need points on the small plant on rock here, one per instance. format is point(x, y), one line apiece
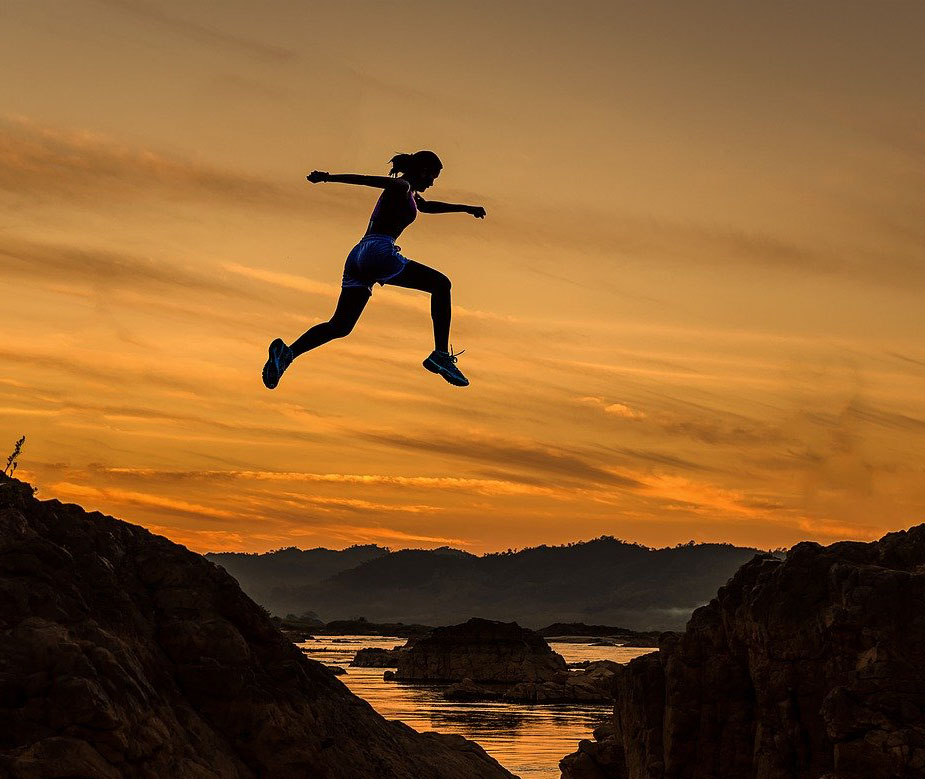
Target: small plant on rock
point(11, 460)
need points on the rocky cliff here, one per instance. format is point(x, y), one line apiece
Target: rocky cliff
point(125, 655)
point(804, 668)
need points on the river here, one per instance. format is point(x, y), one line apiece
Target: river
point(527, 739)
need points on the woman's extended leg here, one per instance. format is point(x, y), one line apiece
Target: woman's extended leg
point(350, 305)
point(417, 276)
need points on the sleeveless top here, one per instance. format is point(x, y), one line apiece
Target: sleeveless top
point(392, 214)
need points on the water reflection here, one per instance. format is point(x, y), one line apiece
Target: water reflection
point(478, 720)
point(527, 739)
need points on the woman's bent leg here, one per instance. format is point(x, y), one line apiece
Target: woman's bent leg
point(417, 276)
point(350, 305)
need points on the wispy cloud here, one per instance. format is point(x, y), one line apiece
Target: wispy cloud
point(907, 359)
point(289, 281)
point(724, 429)
point(478, 486)
point(621, 410)
point(89, 369)
point(102, 269)
point(639, 456)
point(508, 454)
point(169, 422)
point(50, 164)
point(88, 494)
point(701, 497)
point(358, 505)
point(627, 241)
point(206, 35)
point(367, 534)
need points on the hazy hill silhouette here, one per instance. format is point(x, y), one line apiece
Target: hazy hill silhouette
point(602, 581)
point(284, 569)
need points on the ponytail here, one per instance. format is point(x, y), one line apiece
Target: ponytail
point(401, 163)
point(406, 163)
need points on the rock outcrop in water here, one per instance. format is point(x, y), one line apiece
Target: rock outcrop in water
point(480, 650)
point(374, 657)
point(808, 668)
point(609, 633)
point(125, 655)
point(498, 661)
point(594, 684)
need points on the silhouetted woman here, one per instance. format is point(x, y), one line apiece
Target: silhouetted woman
point(376, 260)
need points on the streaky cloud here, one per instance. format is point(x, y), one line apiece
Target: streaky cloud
point(206, 35)
point(101, 268)
point(49, 164)
point(554, 461)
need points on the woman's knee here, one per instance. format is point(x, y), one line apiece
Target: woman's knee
point(441, 284)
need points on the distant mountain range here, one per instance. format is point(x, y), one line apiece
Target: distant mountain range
point(605, 581)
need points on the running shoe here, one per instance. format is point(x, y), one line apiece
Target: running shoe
point(280, 359)
point(444, 363)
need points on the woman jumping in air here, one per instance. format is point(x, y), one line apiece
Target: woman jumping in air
point(376, 260)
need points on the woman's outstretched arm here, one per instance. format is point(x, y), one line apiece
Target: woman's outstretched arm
point(436, 207)
point(382, 182)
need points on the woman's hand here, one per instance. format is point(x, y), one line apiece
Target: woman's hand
point(317, 176)
point(477, 211)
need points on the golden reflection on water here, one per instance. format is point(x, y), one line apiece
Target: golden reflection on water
point(527, 739)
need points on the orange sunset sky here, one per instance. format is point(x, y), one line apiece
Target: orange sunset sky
point(694, 310)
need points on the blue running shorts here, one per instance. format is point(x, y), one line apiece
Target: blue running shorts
point(374, 260)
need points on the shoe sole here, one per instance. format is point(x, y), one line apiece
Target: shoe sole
point(435, 367)
point(270, 367)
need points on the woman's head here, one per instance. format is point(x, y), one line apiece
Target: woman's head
point(420, 168)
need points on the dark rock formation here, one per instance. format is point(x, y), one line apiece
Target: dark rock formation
point(295, 636)
point(467, 690)
point(480, 650)
point(602, 758)
point(360, 627)
point(125, 655)
point(372, 657)
point(806, 668)
point(608, 633)
point(593, 685)
point(499, 661)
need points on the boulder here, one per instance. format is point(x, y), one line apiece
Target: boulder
point(594, 684)
point(483, 651)
point(126, 656)
point(373, 657)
